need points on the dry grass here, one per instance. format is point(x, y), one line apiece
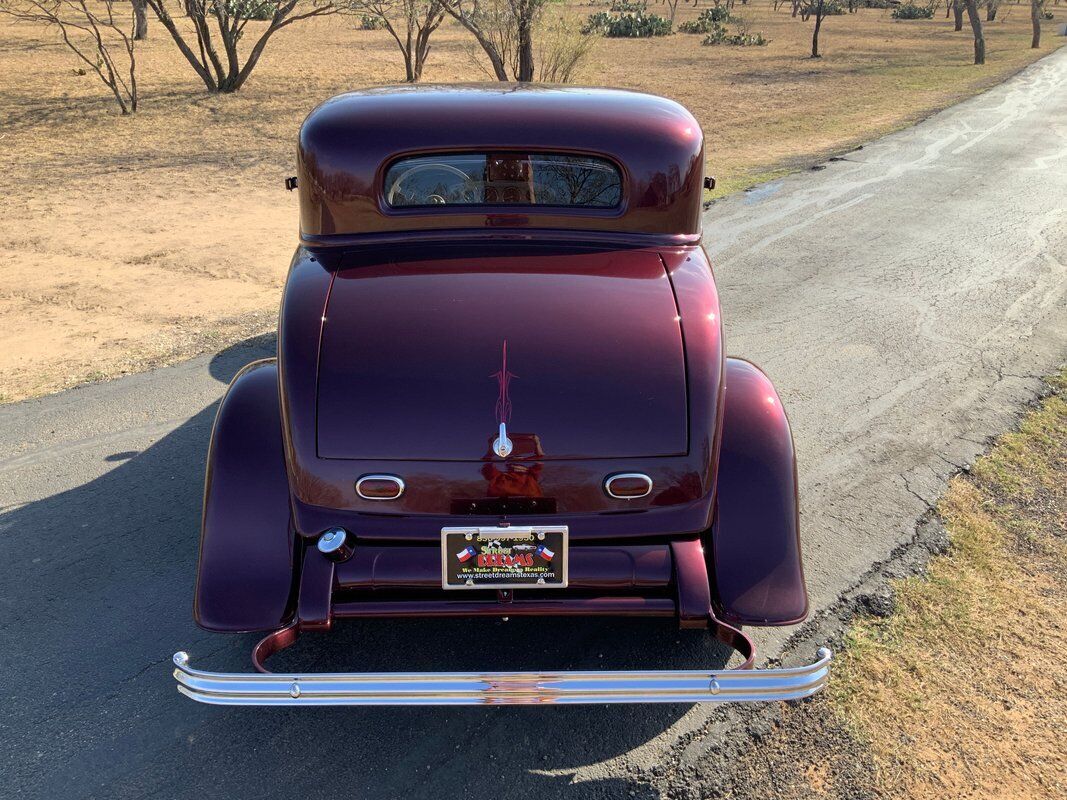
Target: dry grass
point(962, 691)
point(128, 242)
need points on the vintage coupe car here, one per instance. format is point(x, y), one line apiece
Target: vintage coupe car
point(500, 390)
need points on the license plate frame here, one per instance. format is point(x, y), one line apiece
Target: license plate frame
point(514, 540)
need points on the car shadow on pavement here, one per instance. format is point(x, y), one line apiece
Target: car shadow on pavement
point(90, 626)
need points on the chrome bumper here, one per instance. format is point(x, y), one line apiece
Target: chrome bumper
point(500, 688)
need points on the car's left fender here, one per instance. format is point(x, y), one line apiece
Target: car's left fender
point(245, 576)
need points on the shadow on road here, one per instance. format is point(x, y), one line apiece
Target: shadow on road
point(98, 596)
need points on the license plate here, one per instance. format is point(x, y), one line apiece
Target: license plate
point(515, 557)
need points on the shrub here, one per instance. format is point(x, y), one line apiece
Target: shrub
point(627, 25)
point(876, 3)
point(250, 9)
point(830, 8)
point(910, 10)
point(740, 39)
point(1047, 14)
point(623, 6)
point(561, 48)
point(597, 23)
point(707, 20)
point(370, 22)
point(716, 34)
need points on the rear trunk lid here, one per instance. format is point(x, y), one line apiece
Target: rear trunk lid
point(580, 355)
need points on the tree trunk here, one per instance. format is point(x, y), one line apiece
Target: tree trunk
point(976, 26)
point(484, 41)
point(422, 41)
point(815, 35)
point(991, 12)
point(524, 40)
point(235, 82)
point(1035, 22)
point(957, 9)
point(164, 17)
point(140, 21)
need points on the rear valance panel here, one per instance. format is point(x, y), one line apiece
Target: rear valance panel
point(412, 364)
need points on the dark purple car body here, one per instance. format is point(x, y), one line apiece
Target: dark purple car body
point(555, 289)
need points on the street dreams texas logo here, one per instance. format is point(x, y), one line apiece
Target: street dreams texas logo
point(495, 554)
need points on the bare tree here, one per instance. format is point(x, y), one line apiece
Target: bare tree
point(957, 12)
point(673, 6)
point(504, 31)
point(991, 9)
point(1037, 8)
point(230, 18)
point(409, 22)
point(976, 27)
point(94, 35)
point(818, 9)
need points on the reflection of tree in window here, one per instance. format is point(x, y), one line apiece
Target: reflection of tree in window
point(575, 181)
point(556, 180)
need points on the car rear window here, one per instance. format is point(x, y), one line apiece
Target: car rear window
point(486, 179)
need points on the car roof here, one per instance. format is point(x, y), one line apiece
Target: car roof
point(346, 143)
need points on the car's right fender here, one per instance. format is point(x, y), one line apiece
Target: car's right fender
point(757, 578)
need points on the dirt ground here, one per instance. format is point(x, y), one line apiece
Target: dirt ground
point(131, 242)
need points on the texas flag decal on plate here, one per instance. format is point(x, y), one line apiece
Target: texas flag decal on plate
point(504, 557)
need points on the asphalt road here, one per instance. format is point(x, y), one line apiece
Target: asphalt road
point(903, 298)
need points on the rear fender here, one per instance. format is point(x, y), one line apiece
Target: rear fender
point(755, 543)
point(245, 575)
